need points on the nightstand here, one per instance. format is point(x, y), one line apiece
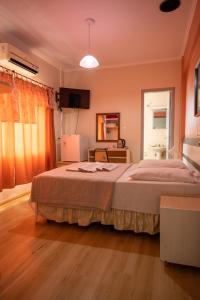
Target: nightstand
point(180, 230)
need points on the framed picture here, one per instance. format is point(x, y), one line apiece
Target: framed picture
point(197, 91)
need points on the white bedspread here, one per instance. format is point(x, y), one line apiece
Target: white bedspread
point(61, 188)
point(144, 196)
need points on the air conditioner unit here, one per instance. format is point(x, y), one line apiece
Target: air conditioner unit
point(16, 60)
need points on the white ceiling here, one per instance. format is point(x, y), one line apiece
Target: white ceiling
point(126, 32)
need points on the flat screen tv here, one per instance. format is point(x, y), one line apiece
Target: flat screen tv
point(74, 98)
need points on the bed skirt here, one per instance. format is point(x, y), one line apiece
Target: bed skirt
point(120, 219)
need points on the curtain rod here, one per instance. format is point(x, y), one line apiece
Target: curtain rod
point(23, 76)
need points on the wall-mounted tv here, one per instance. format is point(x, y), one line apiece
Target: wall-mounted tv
point(74, 98)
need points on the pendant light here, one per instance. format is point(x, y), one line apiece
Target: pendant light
point(89, 61)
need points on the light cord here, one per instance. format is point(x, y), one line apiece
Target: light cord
point(89, 39)
point(77, 121)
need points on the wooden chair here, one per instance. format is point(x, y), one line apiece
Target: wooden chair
point(101, 155)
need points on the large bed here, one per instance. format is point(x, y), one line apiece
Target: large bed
point(111, 198)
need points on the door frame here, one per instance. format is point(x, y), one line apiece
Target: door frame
point(171, 114)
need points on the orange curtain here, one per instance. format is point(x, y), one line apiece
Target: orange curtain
point(27, 140)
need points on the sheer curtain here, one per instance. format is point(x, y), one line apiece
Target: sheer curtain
point(27, 140)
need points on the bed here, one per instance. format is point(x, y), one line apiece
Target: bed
point(110, 198)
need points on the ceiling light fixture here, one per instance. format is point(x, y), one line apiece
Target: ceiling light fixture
point(89, 61)
point(169, 5)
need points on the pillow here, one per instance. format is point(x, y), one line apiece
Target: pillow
point(195, 173)
point(163, 174)
point(168, 163)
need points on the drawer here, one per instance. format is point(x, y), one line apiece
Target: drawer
point(117, 153)
point(117, 159)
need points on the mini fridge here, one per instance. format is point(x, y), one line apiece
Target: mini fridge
point(74, 147)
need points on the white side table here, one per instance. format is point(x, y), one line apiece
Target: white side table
point(180, 230)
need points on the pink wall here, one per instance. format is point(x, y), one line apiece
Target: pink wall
point(191, 56)
point(119, 90)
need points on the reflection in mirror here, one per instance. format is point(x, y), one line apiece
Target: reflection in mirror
point(159, 118)
point(107, 127)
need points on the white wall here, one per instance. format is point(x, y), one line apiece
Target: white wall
point(119, 90)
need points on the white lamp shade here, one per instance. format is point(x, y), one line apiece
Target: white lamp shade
point(89, 62)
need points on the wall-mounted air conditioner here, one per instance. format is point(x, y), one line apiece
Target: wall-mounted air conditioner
point(16, 60)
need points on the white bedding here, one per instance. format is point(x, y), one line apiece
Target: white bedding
point(128, 195)
point(144, 196)
point(163, 163)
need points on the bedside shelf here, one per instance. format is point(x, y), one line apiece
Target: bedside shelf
point(179, 230)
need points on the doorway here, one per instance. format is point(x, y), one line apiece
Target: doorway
point(157, 123)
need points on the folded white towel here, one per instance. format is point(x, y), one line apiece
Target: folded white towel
point(106, 167)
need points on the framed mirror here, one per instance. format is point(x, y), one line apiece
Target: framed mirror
point(159, 118)
point(107, 127)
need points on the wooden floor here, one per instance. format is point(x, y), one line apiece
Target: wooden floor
point(62, 261)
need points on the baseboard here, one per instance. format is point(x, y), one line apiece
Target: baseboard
point(3, 202)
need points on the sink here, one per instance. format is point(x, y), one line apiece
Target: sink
point(159, 150)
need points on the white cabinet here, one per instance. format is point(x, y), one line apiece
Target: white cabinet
point(180, 230)
point(74, 147)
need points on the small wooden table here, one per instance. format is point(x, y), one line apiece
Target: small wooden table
point(115, 155)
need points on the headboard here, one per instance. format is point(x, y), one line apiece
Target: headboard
point(191, 152)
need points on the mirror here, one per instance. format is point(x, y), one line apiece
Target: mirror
point(107, 127)
point(159, 118)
